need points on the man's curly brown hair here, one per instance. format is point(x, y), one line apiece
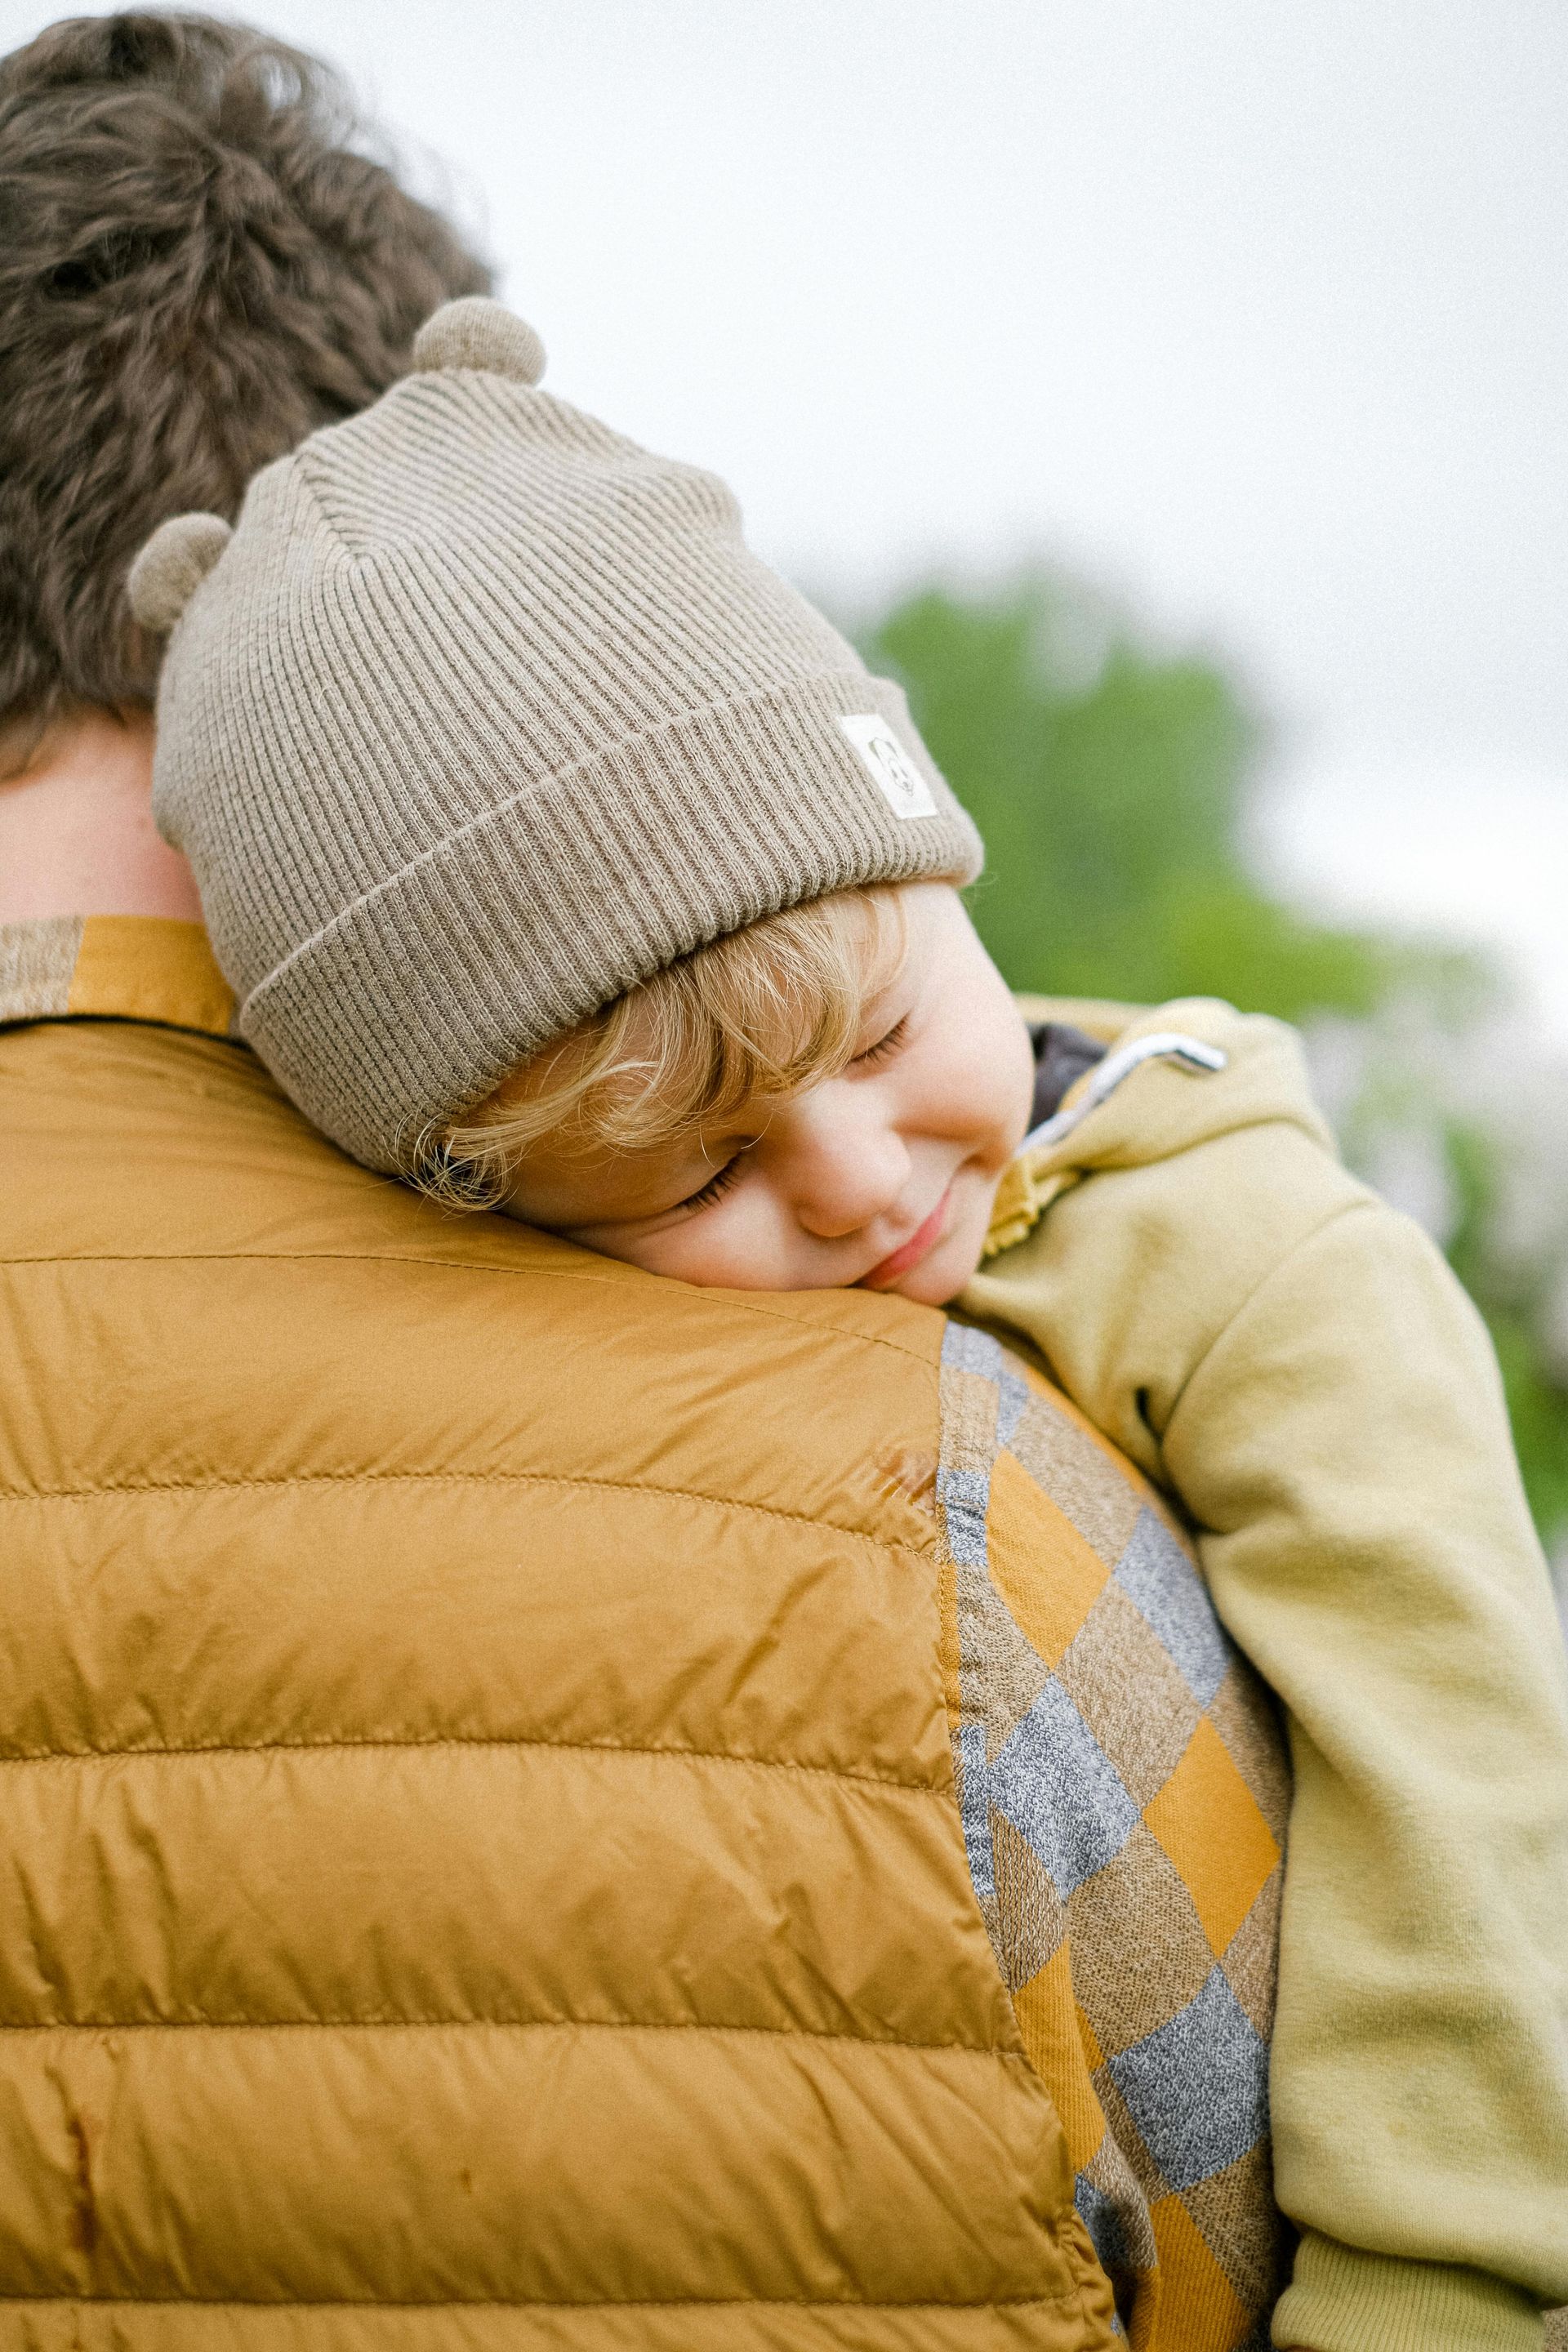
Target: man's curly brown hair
point(197, 267)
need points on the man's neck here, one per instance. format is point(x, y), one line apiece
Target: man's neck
point(77, 835)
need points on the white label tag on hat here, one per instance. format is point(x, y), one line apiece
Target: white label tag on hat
point(892, 770)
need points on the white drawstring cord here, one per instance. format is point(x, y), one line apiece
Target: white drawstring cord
point(1162, 1045)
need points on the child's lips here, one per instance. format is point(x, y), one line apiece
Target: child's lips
point(921, 1243)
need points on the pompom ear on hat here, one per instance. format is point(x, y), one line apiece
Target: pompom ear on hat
point(171, 567)
point(474, 332)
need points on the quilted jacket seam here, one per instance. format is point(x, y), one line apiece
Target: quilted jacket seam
point(543, 2303)
point(199, 2023)
point(84, 1756)
point(461, 1478)
point(734, 1302)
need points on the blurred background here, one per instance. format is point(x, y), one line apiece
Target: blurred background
point(1174, 394)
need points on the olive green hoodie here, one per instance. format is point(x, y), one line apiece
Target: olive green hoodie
point(1294, 1361)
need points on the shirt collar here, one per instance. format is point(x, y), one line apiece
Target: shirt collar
point(113, 968)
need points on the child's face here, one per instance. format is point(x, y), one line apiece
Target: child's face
point(882, 1176)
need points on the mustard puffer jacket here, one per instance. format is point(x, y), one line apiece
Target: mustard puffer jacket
point(481, 1865)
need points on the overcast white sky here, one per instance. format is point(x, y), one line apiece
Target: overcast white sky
point(1255, 313)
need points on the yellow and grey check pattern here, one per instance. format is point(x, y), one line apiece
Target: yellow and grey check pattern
point(1124, 1796)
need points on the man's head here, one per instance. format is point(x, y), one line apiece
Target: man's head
point(197, 267)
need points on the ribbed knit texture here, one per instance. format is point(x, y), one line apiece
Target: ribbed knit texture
point(1345, 2301)
point(485, 715)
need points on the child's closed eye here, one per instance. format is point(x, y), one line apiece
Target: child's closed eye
point(885, 1047)
point(716, 1187)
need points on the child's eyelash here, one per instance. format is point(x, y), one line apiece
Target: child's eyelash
point(884, 1046)
point(720, 1181)
point(716, 1186)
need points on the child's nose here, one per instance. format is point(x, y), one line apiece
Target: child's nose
point(849, 1173)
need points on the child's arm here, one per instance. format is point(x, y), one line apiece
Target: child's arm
point(1296, 1362)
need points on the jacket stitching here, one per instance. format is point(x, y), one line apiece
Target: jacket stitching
point(538, 2302)
point(83, 1756)
point(199, 2022)
point(736, 1302)
point(460, 1478)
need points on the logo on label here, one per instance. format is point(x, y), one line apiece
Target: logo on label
point(890, 768)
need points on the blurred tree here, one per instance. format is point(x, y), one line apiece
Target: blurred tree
point(1111, 786)
point(1114, 787)
point(1508, 1294)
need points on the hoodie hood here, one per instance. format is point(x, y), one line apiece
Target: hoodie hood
point(1243, 1069)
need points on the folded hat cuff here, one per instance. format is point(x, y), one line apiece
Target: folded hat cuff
point(418, 998)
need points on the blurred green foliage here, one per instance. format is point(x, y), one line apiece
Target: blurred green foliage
point(1114, 786)
point(1112, 794)
point(1537, 1399)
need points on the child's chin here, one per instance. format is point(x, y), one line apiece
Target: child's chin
point(939, 1281)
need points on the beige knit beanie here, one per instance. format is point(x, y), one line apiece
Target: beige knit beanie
point(481, 716)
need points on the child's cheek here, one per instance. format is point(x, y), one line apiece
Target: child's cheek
point(735, 1247)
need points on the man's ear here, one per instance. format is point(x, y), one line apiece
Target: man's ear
point(171, 567)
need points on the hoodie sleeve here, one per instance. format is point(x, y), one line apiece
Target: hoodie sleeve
point(1294, 1361)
